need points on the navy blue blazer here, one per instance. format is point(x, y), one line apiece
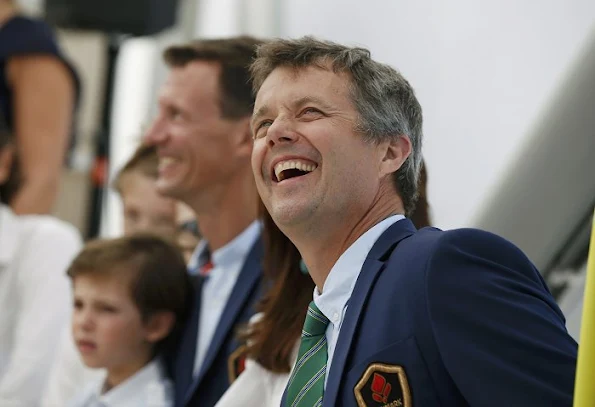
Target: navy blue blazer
point(450, 318)
point(225, 352)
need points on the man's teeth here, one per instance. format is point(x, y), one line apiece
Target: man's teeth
point(293, 165)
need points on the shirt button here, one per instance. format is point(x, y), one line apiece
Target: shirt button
point(336, 317)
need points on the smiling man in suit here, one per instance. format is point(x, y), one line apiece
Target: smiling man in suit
point(400, 317)
point(203, 140)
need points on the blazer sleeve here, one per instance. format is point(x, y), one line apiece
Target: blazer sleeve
point(498, 330)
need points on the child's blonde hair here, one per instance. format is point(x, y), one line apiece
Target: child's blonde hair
point(144, 160)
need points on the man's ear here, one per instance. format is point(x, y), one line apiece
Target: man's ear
point(243, 139)
point(159, 325)
point(6, 157)
point(394, 153)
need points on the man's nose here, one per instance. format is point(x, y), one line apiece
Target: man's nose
point(281, 131)
point(155, 133)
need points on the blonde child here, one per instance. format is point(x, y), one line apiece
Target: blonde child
point(144, 209)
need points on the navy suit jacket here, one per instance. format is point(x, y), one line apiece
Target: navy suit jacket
point(450, 318)
point(214, 377)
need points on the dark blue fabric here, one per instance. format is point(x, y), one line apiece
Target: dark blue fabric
point(24, 36)
point(213, 379)
point(464, 313)
point(21, 36)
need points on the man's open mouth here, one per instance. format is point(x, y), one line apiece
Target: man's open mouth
point(291, 169)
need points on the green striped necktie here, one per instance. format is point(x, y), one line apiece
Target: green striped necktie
point(306, 384)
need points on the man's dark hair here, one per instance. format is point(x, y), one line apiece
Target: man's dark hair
point(234, 55)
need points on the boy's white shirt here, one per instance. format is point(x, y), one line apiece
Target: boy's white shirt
point(149, 387)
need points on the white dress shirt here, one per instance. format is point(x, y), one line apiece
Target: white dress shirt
point(341, 280)
point(35, 298)
point(216, 289)
point(149, 387)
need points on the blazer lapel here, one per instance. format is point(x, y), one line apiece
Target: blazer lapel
point(185, 354)
point(373, 265)
point(247, 280)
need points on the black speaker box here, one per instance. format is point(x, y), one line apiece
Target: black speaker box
point(135, 17)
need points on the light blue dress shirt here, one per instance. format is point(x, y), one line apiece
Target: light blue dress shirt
point(341, 280)
point(216, 289)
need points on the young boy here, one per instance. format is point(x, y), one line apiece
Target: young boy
point(131, 296)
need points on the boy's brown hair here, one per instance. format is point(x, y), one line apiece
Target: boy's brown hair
point(159, 280)
point(144, 160)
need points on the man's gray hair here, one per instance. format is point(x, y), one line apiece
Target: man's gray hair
point(385, 101)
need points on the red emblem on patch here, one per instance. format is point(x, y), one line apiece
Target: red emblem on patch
point(380, 388)
point(383, 385)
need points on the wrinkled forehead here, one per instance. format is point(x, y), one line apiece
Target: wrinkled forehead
point(288, 83)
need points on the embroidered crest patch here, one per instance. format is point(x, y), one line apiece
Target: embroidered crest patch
point(236, 363)
point(383, 385)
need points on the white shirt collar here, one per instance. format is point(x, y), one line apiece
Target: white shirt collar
point(150, 379)
point(341, 280)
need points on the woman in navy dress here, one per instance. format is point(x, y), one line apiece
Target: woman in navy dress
point(38, 95)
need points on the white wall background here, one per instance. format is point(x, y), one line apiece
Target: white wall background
point(131, 98)
point(482, 69)
point(572, 303)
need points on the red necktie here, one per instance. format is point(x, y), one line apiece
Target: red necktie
point(205, 263)
point(206, 268)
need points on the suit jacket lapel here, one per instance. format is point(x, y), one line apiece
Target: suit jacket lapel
point(247, 280)
point(185, 354)
point(373, 265)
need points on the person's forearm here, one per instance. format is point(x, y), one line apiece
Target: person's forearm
point(36, 197)
point(43, 103)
